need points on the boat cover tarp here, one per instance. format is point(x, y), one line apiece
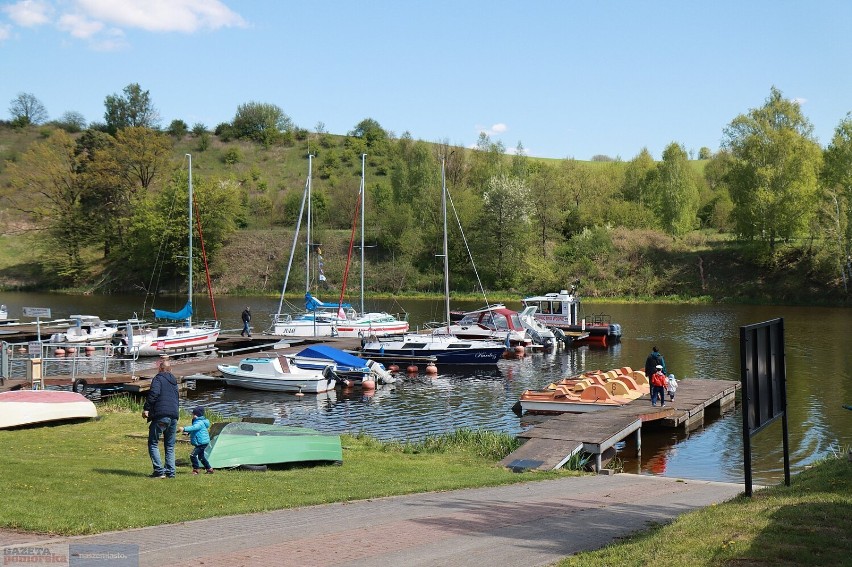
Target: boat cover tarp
point(334, 355)
point(312, 303)
point(181, 315)
point(244, 443)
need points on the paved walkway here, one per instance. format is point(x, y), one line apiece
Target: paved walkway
point(534, 523)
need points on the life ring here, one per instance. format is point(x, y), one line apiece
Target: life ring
point(79, 386)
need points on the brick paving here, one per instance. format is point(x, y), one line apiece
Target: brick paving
point(534, 523)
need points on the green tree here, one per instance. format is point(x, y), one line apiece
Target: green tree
point(836, 212)
point(705, 153)
point(372, 132)
point(26, 109)
point(503, 227)
point(547, 205)
point(773, 173)
point(132, 109)
point(178, 129)
point(261, 122)
point(71, 121)
point(45, 186)
point(677, 192)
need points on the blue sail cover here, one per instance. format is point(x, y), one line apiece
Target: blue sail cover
point(340, 358)
point(181, 315)
point(312, 303)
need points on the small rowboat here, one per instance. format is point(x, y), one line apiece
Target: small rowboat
point(24, 407)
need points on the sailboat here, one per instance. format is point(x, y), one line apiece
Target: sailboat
point(445, 347)
point(177, 338)
point(325, 319)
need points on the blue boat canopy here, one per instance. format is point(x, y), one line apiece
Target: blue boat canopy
point(312, 303)
point(181, 315)
point(335, 355)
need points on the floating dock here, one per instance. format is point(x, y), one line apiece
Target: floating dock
point(555, 439)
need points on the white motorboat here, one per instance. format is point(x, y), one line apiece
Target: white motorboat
point(494, 323)
point(84, 330)
point(24, 407)
point(562, 311)
point(278, 374)
point(537, 331)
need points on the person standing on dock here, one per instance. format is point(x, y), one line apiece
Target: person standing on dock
point(246, 321)
point(652, 361)
point(658, 386)
point(162, 409)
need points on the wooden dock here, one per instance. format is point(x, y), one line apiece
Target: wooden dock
point(551, 443)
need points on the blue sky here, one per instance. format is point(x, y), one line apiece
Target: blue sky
point(564, 78)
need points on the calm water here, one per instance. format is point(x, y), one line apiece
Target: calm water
point(697, 341)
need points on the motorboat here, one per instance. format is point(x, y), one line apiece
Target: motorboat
point(537, 331)
point(493, 322)
point(244, 443)
point(443, 349)
point(562, 311)
point(278, 374)
point(84, 330)
point(25, 407)
point(586, 392)
point(347, 367)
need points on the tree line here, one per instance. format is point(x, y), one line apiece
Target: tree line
point(525, 221)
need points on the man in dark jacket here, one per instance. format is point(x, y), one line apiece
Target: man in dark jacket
point(652, 361)
point(161, 409)
point(246, 320)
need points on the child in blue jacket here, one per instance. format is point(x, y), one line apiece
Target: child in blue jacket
point(200, 438)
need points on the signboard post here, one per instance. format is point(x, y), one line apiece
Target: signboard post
point(38, 313)
point(764, 387)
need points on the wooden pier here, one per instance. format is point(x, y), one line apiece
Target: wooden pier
point(551, 443)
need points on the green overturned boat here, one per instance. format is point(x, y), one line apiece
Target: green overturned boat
point(245, 443)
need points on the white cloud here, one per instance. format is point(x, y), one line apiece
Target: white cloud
point(494, 130)
point(5, 31)
point(79, 26)
point(29, 13)
point(799, 100)
point(186, 16)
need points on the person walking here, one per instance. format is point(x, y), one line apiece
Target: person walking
point(200, 438)
point(671, 386)
point(246, 320)
point(658, 386)
point(652, 361)
point(161, 409)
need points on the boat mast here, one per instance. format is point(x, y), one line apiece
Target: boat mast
point(363, 190)
point(295, 238)
point(308, 240)
point(446, 253)
point(189, 293)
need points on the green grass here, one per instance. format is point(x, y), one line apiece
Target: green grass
point(807, 523)
point(91, 477)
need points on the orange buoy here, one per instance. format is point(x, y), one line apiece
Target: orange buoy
point(519, 350)
point(59, 352)
point(368, 384)
point(431, 369)
point(412, 369)
point(393, 368)
point(90, 349)
point(71, 350)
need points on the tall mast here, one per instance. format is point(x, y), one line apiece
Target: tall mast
point(189, 293)
point(308, 240)
point(446, 252)
point(363, 190)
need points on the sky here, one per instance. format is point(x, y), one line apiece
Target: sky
point(563, 78)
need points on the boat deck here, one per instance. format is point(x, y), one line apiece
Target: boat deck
point(555, 439)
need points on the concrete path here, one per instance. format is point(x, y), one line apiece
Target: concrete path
point(535, 523)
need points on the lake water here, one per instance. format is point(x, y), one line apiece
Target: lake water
point(698, 341)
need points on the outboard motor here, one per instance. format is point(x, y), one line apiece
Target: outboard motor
point(380, 372)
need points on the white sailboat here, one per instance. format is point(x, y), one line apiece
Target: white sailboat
point(325, 319)
point(445, 347)
point(177, 338)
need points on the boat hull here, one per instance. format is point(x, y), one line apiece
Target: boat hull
point(24, 407)
point(241, 443)
point(190, 341)
point(445, 350)
point(267, 375)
